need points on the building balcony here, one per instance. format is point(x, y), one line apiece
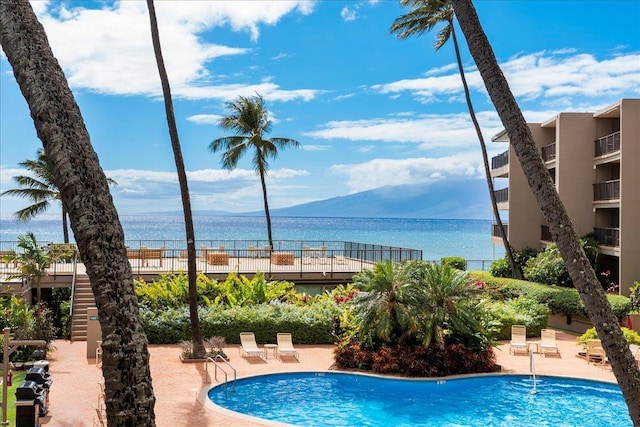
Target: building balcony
point(604, 191)
point(500, 160)
point(502, 196)
point(607, 236)
point(545, 234)
point(495, 230)
point(549, 152)
point(607, 144)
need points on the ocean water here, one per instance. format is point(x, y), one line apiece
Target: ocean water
point(437, 238)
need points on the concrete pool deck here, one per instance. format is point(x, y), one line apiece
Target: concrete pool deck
point(74, 393)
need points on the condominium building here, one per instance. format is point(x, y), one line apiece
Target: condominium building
point(594, 161)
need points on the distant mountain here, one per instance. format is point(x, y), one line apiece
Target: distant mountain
point(461, 199)
point(468, 199)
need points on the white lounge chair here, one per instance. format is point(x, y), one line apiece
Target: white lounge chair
point(285, 346)
point(518, 338)
point(248, 346)
point(595, 353)
point(548, 342)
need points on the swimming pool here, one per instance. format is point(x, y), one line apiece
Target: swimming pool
point(342, 399)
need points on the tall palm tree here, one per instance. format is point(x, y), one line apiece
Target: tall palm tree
point(84, 191)
point(196, 336)
point(584, 278)
point(421, 19)
point(249, 119)
point(40, 189)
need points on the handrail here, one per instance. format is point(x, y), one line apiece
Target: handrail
point(73, 282)
point(217, 365)
point(532, 369)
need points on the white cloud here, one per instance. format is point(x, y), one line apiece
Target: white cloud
point(382, 172)
point(109, 50)
point(349, 14)
point(534, 76)
point(428, 131)
point(205, 119)
point(311, 147)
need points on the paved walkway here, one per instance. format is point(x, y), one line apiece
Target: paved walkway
point(75, 389)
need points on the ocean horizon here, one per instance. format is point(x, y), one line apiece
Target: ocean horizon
point(437, 238)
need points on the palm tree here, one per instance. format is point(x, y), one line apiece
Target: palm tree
point(383, 311)
point(33, 261)
point(84, 191)
point(40, 189)
point(196, 336)
point(584, 278)
point(445, 302)
point(425, 15)
point(250, 120)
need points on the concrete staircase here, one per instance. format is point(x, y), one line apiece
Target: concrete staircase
point(82, 299)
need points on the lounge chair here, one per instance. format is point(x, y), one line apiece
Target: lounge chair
point(248, 346)
point(253, 253)
point(548, 342)
point(285, 346)
point(595, 353)
point(518, 338)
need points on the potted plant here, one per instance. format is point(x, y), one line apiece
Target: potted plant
point(214, 347)
point(634, 314)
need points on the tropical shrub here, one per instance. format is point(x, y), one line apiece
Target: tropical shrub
point(415, 360)
point(26, 323)
point(634, 297)
point(632, 336)
point(456, 262)
point(309, 324)
point(501, 267)
point(559, 300)
point(172, 290)
point(548, 268)
point(519, 311)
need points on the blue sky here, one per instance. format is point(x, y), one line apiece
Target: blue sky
point(369, 109)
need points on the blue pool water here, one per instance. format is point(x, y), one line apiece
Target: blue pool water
point(338, 399)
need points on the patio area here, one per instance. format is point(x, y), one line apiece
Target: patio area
point(75, 390)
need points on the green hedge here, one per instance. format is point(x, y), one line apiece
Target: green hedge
point(519, 311)
point(309, 324)
point(558, 299)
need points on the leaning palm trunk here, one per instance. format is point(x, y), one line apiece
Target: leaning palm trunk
point(196, 336)
point(65, 229)
point(515, 269)
point(85, 196)
point(596, 304)
point(266, 207)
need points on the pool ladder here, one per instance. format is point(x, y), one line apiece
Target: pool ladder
point(219, 366)
point(532, 369)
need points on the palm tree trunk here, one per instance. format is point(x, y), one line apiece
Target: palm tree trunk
point(65, 229)
point(515, 269)
point(266, 207)
point(584, 278)
point(196, 336)
point(85, 195)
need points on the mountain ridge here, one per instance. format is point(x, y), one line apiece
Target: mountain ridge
point(451, 199)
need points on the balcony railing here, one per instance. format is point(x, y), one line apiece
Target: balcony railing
point(495, 230)
point(549, 152)
point(500, 160)
point(609, 190)
point(607, 144)
point(502, 196)
point(607, 236)
point(545, 234)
